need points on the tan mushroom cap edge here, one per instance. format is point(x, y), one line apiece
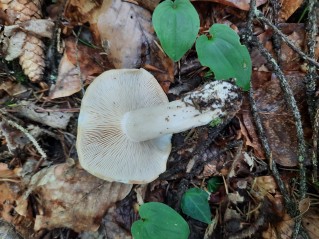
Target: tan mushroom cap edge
point(103, 148)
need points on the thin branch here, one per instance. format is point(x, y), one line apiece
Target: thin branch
point(262, 18)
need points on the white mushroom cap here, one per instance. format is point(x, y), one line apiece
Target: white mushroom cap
point(103, 149)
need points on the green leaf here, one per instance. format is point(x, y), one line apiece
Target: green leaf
point(214, 183)
point(224, 55)
point(195, 204)
point(159, 221)
point(176, 25)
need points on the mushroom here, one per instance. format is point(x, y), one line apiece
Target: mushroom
point(126, 123)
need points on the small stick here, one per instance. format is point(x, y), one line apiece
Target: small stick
point(262, 18)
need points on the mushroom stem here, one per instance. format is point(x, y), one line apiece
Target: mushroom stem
point(215, 100)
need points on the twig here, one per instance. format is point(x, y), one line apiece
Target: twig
point(30, 137)
point(311, 30)
point(311, 27)
point(289, 98)
point(315, 146)
point(264, 141)
point(262, 18)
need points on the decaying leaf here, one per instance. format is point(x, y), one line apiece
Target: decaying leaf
point(125, 32)
point(288, 7)
point(241, 4)
point(263, 186)
point(71, 197)
point(23, 38)
point(276, 118)
point(79, 61)
point(281, 230)
point(310, 221)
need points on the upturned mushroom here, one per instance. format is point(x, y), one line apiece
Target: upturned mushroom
point(126, 123)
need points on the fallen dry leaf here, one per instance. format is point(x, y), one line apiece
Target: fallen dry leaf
point(12, 88)
point(79, 63)
point(125, 32)
point(288, 7)
point(6, 173)
point(241, 4)
point(310, 221)
point(148, 4)
point(71, 197)
point(263, 186)
point(276, 118)
point(281, 230)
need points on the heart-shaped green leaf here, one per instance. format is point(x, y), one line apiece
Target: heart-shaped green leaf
point(195, 204)
point(176, 25)
point(224, 55)
point(159, 221)
point(214, 183)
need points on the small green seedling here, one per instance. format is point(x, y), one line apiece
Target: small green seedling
point(195, 201)
point(214, 183)
point(195, 204)
point(159, 221)
point(176, 24)
point(215, 122)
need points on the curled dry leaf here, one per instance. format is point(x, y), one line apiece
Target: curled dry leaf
point(126, 34)
point(241, 4)
point(79, 61)
point(71, 197)
point(26, 43)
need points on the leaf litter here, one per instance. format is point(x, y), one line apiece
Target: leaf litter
point(50, 196)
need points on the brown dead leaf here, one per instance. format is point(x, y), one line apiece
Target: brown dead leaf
point(90, 61)
point(241, 4)
point(6, 173)
point(277, 119)
point(126, 34)
point(12, 88)
point(9, 193)
point(7, 202)
point(310, 221)
point(71, 197)
point(263, 186)
point(288, 7)
point(304, 205)
point(282, 230)
point(148, 4)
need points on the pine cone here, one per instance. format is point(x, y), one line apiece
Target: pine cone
point(32, 57)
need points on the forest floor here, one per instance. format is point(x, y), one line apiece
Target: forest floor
point(259, 167)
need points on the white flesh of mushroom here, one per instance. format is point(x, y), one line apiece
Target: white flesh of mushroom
point(195, 109)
